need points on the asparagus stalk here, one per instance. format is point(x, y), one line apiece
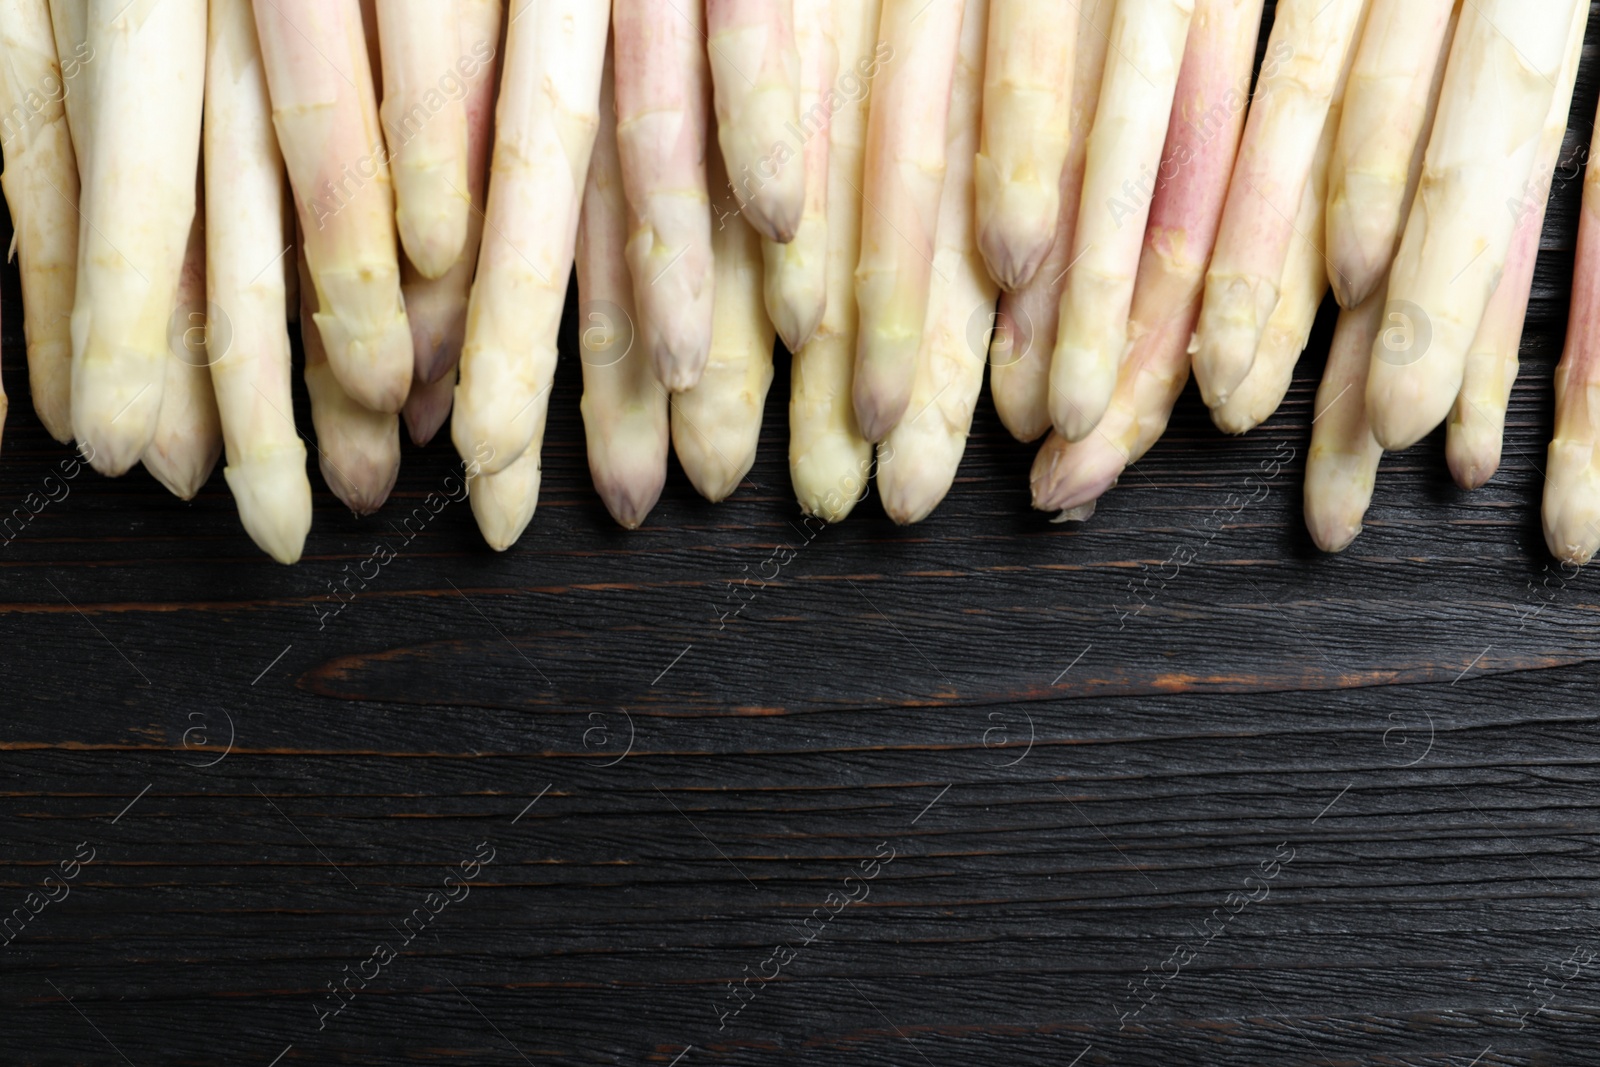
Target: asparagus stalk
point(545, 126)
point(902, 182)
point(1202, 139)
point(437, 307)
point(662, 89)
point(1572, 472)
point(1501, 79)
point(1306, 54)
point(1399, 62)
point(1027, 132)
point(326, 113)
point(755, 78)
point(717, 424)
point(69, 22)
point(796, 273)
point(829, 460)
point(917, 462)
point(1025, 335)
point(1147, 42)
point(358, 449)
point(245, 282)
point(624, 407)
point(188, 437)
point(1477, 422)
point(139, 203)
point(424, 115)
point(1300, 292)
point(41, 188)
point(1342, 466)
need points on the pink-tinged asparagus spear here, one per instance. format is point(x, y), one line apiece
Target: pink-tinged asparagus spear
point(663, 90)
point(624, 407)
point(1025, 335)
point(1342, 466)
point(246, 253)
point(545, 126)
point(1502, 75)
point(902, 183)
point(188, 437)
point(325, 109)
point(358, 449)
point(1130, 127)
point(138, 200)
point(437, 307)
point(1306, 55)
point(830, 463)
point(41, 188)
point(796, 273)
point(1300, 292)
point(917, 462)
point(717, 424)
point(1478, 420)
point(424, 116)
point(1208, 112)
point(755, 75)
point(1398, 65)
point(1027, 132)
point(1572, 473)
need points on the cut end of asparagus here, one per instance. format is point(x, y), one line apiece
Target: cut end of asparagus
point(273, 495)
point(1572, 502)
point(504, 503)
point(428, 407)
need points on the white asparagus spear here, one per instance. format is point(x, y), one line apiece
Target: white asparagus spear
point(1025, 335)
point(1571, 509)
point(503, 503)
point(663, 90)
point(1398, 65)
point(917, 462)
point(796, 273)
point(545, 125)
point(69, 21)
point(1477, 424)
point(358, 449)
point(717, 424)
point(1501, 78)
point(437, 307)
point(424, 118)
point(901, 185)
point(1300, 292)
point(1342, 465)
point(1119, 178)
point(624, 407)
point(245, 250)
point(41, 188)
point(1026, 132)
point(188, 438)
point(1306, 54)
point(829, 461)
point(1202, 139)
point(325, 110)
point(149, 82)
point(755, 80)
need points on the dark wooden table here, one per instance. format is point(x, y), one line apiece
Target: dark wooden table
point(985, 791)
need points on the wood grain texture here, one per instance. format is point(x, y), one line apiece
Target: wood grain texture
point(1081, 795)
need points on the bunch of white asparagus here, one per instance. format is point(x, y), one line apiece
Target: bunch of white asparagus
point(1090, 196)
